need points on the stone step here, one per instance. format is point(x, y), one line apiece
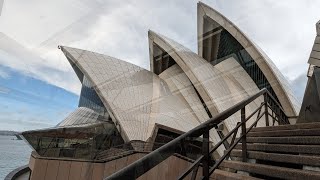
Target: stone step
point(284, 148)
point(275, 157)
point(271, 171)
point(287, 127)
point(285, 140)
point(225, 175)
point(279, 133)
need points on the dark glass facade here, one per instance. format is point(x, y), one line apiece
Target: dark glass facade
point(190, 148)
point(219, 45)
point(162, 60)
point(89, 98)
point(74, 142)
point(83, 134)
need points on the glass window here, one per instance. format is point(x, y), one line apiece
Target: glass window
point(219, 45)
point(74, 142)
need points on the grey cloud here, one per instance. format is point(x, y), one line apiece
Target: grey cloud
point(126, 35)
point(4, 74)
point(78, 29)
point(113, 28)
point(23, 119)
point(18, 57)
point(23, 125)
point(1, 5)
point(4, 90)
point(16, 120)
point(299, 85)
point(285, 30)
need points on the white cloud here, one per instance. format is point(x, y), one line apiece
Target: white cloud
point(4, 74)
point(22, 123)
point(298, 86)
point(285, 30)
point(4, 90)
point(51, 70)
point(1, 4)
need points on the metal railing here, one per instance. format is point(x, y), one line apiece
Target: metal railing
point(135, 145)
point(149, 161)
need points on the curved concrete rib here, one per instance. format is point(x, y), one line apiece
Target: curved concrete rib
point(135, 98)
point(219, 86)
point(278, 83)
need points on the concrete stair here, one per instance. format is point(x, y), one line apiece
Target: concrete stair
point(278, 152)
point(220, 175)
point(271, 172)
point(288, 127)
point(275, 157)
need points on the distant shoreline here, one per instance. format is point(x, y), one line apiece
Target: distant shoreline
point(8, 133)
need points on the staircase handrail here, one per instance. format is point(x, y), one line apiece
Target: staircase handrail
point(139, 167)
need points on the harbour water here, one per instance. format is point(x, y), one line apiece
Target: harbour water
point(13, 153)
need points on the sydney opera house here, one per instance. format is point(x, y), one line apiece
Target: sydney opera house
point(126, 112)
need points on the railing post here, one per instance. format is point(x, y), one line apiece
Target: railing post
point(205, 152)
point(244, 133)
point(266, 109)
point(183, 148)
point(279, 116)
point(194, 173)
point(273, 118)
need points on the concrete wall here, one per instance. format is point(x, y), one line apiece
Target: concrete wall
point(310, 109)
point(50, 169)
point(47, 169)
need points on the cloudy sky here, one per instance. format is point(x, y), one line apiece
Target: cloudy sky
point(30, 31)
